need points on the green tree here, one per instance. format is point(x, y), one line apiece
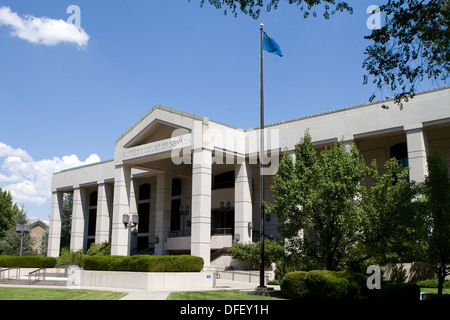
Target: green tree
point(8, 210)
point(10, 244)
point(437, 192)
point(393, 219)
point(412, 45)
point(319, 194)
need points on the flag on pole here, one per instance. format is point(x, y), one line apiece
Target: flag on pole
point(270, 45)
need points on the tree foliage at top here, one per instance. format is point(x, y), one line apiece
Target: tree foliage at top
point(252, 8)
point(412, 45)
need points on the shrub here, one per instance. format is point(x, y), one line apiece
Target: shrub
point(144, 263)
point(323, 285)
point(103, 249)
point(398, 291)
point(293, 285)
point(68, 256)
point(27, 262)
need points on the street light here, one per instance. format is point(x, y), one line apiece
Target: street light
point(131, 226)
point(22, 228)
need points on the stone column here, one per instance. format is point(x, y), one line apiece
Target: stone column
point(119, 239)
point(54, 234)
point(417, 152)
point(243, 205)
point(201, 205)
point(78, 219)
point(103, 214)
point(163, 204)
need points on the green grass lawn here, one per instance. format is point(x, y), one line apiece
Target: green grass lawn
point(57, 294)
point(215, 295)
point(434, 290)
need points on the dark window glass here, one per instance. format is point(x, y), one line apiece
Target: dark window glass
point(175, 215)
point(224, 180)
point(176, 187)
point(400, 152)
point(92, 222)
point(144, 191)
point(144, 217)
point(142, 243)
point(93, 199)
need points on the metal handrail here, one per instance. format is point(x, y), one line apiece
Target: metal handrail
point(37, 275)
point(9, 273)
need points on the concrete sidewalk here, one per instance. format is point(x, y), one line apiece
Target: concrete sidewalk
point(162, 295)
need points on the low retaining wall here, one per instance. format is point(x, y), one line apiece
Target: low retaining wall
point(145, 280)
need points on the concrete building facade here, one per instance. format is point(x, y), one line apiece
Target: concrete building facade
point(194, 182)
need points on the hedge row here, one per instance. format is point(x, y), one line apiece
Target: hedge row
point(343, 285)
point(27, 262)
point(323, 285)
point(144, 263)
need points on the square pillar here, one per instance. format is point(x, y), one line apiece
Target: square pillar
point(163, 211)
point(119, 239)
point(417, 145)
point(103, 213)
point(243, 205)
point(78, 219)
point(201, 205)
point(54, 233)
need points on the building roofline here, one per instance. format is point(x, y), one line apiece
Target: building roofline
point(346, 108)
point(167, 109)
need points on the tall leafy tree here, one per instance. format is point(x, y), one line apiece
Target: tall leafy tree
point(10, 244)
point(8, 210)
point(393, 219)
point(437, 192)
point(318, 194)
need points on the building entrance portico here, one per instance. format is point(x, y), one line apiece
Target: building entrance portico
point(193, 183)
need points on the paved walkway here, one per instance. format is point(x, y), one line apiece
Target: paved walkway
point(134, 294)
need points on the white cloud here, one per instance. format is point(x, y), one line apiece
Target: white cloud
point(29, 180)
point(42, 30)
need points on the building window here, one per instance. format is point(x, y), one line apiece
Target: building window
point(176, 187)
point(175, 216)
point(223, 180)
point(144, 192)
point(92, 218)
point(399, 151)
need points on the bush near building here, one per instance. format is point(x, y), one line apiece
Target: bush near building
point(144, 263)
point(27, 262)
point(324, 285)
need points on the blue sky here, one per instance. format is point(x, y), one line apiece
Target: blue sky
point(64, 105)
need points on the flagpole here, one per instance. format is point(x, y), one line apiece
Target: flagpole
point(261, 163)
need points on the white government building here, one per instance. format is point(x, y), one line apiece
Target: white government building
point(194, 182)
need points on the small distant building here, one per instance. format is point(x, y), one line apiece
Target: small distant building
point(37, 231)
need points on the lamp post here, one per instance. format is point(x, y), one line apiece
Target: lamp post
point(22, 228)
point(184, 211)
point(131, 226)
